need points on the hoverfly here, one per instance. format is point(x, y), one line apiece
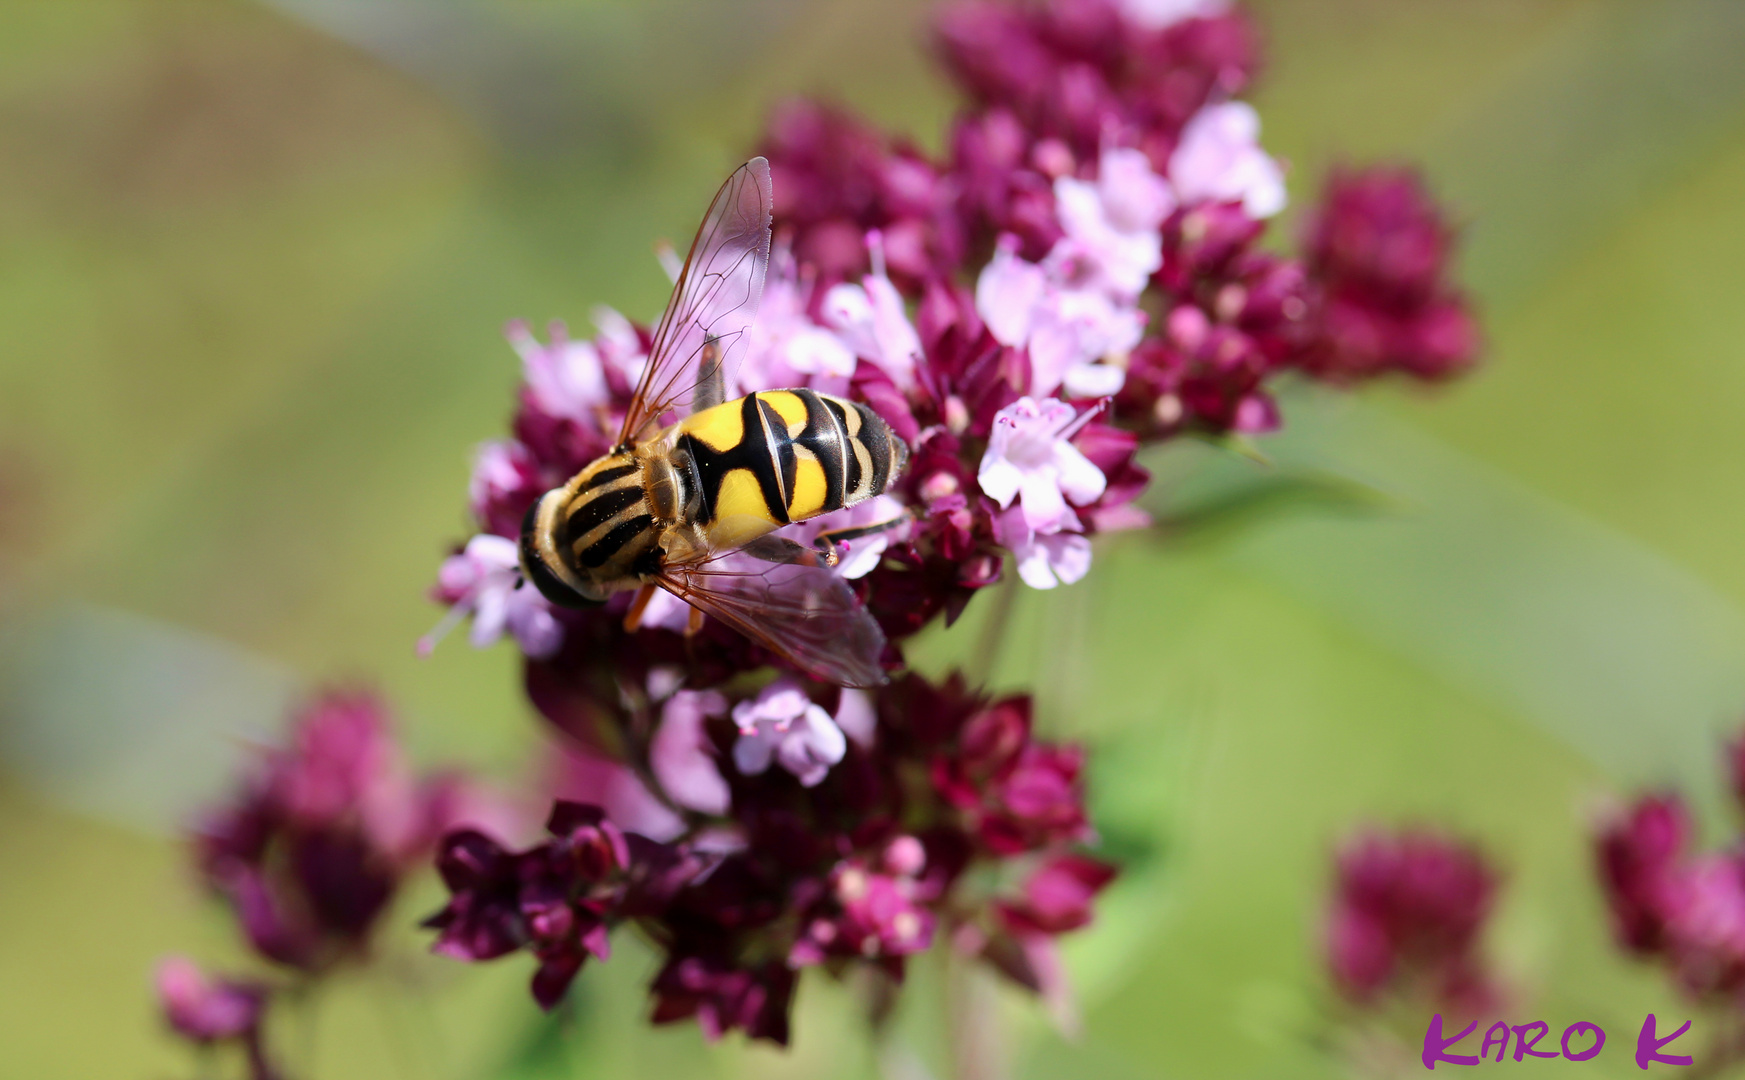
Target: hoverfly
point(687, 504)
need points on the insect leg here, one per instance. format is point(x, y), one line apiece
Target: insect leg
point(638, 604)
point(694, 624)
point(780, 550)
point(828, 542)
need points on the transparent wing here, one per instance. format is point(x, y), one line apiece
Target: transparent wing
point(806, 614)
point(713, 302)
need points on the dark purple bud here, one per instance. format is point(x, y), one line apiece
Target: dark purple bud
point(1639, 852)
point(1058, 895)
point(1407, 910)
point(483, 918)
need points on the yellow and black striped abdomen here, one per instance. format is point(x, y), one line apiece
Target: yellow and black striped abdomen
point(784, 455)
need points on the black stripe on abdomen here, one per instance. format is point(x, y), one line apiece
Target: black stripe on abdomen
point(782, 447)
point(606, 476)
point(876, 437)
point(851, 460)
point(592, 511)
point(752, 453)
point(827, 439)
point(601, 550)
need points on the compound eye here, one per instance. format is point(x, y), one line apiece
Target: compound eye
point(544, 578)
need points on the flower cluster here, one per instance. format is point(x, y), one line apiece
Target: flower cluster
point(1408, 910)
point(1378, 246)
point(1674, 904)
point(1077, 276)
point(844, 832)
point(308, 855)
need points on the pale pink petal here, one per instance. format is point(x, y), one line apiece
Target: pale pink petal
point(1158, 14)
point(1069, 555)
point(999, 479)
point(752, 751)
point(1219, 158)
point(1040, 496)
point(1080, 481)
point(682, 757)
point(1135, 199)
point(1093, 380)
point(856, 716)
point(1007, 293)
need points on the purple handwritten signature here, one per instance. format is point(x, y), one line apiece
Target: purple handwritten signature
point(1581, 1041)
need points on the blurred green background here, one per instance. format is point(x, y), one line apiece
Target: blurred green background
point(254, 262)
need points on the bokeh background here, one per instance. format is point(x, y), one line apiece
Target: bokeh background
point(254, 262)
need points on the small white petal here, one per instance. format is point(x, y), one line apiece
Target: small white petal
point(1041, 496)
point(999, 479)
point(1094, 380)
point(1033, 567)
point(856, 716)
point(1069, 556)
point(1080, 481)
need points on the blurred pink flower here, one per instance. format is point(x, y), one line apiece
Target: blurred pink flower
point(1219, 159)
point(784, 725)
point(207, 1010)
point(683, 758)
point(565, 377)
point(1112, 224)
point(1058, 554)
point(484, 581)
point(1407, 912)
point(871, 319)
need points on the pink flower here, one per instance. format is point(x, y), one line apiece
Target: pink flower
point(484, 581)
point(1074, 329)
point(504, 483)
point(1219, 159)
point(619, 345)
point(1067, 330)
point(859, 556)
point(206, 1010)
point(871, 319)
point(1008, 292)
point(565, 377)
point(1057, 896)
point(1408, 911)
point(1706, 931)
point(870, 910)
point(1059, 555)
point(1030, 458)
point(784, 725)
point(1159, 14)
point(1639, 854)
point(786, 348)
point(579, 775)
point(683, 758)
point(1112, 224)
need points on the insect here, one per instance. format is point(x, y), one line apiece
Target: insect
point(688, 504)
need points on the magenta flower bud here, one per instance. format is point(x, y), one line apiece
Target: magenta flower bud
point(1057, 897)
point(905, 856)
point(1639, 853)
point(1380, 249)
point(206, 1010)
point(1407, 911)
